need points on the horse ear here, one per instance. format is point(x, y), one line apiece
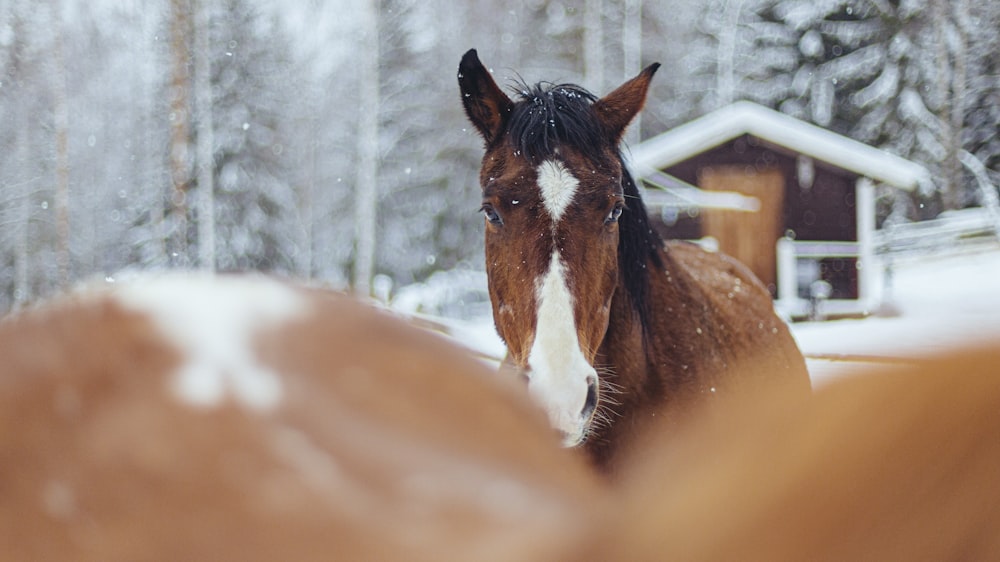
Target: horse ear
point(486, 105)
point(617, 109)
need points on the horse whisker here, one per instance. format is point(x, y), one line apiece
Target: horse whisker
point(611, 401)
point(608, 386)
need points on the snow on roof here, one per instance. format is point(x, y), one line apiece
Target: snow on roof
point(744, 117)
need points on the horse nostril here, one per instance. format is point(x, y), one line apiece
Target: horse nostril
point(590, 404)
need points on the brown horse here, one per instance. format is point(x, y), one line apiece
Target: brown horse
point(200, 418)
point(902, 465)
point(611, 326)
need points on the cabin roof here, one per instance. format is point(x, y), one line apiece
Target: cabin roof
point(744, 117)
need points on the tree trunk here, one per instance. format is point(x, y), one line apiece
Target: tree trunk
point(205, 149)
point(308, 199)
point(180, 107)
point(947, 81)
point(632, 57)
point(21, 175)
point(957, 106)
point(22, 228)
point(61, 124)
point(366, 186)
point(726, 55)
point(593, 46)
point(151, 189)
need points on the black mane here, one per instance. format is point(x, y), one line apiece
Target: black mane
point(549, 115)
point(638, 245)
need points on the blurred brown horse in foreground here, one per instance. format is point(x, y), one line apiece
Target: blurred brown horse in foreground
point(243, 419)
point(611, 327)
point(902, 465)
point(203, 418)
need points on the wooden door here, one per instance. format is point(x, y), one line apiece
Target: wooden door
point(747, 236)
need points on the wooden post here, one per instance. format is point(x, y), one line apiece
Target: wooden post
point(867, 266)
point(788, 282)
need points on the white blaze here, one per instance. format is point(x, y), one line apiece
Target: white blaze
point(558, 187)
point(559, 371)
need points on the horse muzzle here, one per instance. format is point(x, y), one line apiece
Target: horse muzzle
point(570, 407)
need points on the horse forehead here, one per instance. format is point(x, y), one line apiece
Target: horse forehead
point(557, 186)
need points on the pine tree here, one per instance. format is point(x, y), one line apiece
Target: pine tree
point(430, 156)
point(900, 73)
point(16, 184)
point(35, 241)
point(740, 51)
point(366, 180)
point(256, 201)
point(981, 136)
point(147, 199)
point(181, 115)
point(890, 74)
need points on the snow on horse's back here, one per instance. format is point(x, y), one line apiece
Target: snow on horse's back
point(202, 417)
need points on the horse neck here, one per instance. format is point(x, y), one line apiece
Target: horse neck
point(636, 350)
point(624, 348)
point(623, 359)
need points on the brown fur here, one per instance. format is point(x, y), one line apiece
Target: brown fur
point(389, 444)
point(900, 466)
point(715, 334)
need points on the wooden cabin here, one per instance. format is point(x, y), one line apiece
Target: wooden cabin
point(793, 201)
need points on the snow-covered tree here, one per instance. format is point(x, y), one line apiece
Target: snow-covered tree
point(18, 185)
point(906, 79)
point(286, 97)
point(146, 201)
point(981, 135)
point(366, 185)
point(739, 52)
point(179, 92)
point(256, 201)
point(896, 75)
point(35, 238)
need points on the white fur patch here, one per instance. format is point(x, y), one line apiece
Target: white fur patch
point(558, 187)
point(213, 321)
point(559, 371)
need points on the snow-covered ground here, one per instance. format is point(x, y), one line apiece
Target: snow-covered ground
point(934, 302)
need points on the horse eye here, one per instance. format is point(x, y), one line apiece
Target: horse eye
point(491, 215)
point(614, 214)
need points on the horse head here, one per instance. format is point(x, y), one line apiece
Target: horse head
point(555, 191)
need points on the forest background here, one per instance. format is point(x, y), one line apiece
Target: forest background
point(325, 140)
